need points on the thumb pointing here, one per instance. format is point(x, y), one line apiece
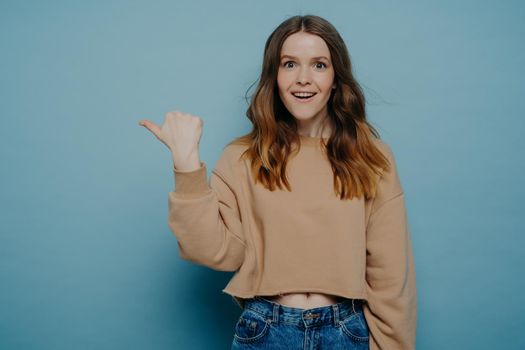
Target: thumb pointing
point(155, 130)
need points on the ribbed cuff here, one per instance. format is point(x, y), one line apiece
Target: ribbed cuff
point(194, 181)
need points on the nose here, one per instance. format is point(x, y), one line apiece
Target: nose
point(303, 76)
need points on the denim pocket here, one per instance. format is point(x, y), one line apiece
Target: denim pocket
point(250, 327)
point(355, 326)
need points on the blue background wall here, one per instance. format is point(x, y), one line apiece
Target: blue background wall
point(87, 258)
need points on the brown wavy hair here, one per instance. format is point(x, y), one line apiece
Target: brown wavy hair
point(355, 159)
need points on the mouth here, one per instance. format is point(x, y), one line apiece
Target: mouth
point(303, 97)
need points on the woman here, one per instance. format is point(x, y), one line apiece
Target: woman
point(307, 208)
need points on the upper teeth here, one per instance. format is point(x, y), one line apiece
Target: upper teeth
point(304, 94)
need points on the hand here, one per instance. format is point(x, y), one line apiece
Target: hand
point(180, 132)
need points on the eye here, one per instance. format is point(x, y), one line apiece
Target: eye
point(285, 64)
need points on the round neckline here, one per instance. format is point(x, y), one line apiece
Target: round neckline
point(311, 140)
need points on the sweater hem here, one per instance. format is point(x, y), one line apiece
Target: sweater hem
point(239, 296)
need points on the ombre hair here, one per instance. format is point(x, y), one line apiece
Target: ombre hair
point(352, 149)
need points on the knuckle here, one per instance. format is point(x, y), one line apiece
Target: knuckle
point(178, 115)
point(172, 113)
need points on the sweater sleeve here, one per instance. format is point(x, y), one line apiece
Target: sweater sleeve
point(390, 310)
point(204, 216)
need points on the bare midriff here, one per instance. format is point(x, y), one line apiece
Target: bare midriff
point(304, 300)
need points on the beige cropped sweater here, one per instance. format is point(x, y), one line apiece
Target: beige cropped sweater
point(306, 240)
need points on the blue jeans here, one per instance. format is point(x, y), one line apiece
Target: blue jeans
point(265, 324)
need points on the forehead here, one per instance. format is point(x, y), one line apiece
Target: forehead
point(305, 45)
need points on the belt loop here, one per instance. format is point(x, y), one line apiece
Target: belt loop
point(335, 308)
point(353, 308)
point(275, 313)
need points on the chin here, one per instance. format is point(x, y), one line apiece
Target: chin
point(303, 118)
point(304, 115)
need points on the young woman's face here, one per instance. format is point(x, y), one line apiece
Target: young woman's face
point(302, 69)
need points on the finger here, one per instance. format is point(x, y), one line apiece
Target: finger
point(155, 129)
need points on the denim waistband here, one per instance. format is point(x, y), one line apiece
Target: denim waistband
point(314, 316)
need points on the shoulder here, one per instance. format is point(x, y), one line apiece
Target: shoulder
point(389, 182)
point(232, 153)
point(230, 156)
point(387, 152)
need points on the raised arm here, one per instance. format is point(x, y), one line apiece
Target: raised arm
point(205, 217)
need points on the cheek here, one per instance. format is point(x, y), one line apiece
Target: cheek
point(283, 91)
point(284, 80)
point(281, 88)
point(327, 83)
point(280, 82)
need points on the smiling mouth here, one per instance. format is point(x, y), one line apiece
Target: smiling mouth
point(301, 98)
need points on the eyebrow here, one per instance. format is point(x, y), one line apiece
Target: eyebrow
point(313, 58)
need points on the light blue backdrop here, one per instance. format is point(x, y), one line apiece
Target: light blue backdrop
point(87, 258)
